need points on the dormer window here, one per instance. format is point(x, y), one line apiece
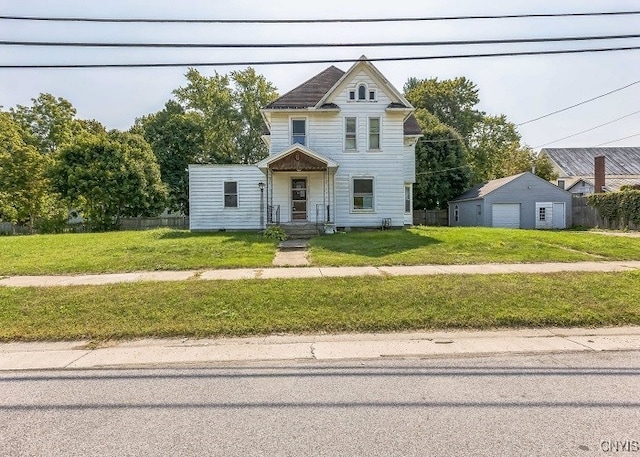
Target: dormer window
point(362, 92)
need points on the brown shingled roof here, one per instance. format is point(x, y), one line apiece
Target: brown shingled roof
point(310, 92)
point(411, 126)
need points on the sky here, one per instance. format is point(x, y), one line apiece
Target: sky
point(522, 87)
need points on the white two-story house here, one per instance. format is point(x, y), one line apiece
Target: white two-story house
point(341, 154)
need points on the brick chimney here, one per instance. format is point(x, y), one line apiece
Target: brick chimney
point(599, 174)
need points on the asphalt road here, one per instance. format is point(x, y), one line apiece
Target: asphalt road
point(515, 405)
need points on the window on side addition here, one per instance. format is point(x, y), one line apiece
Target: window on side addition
point(350, 133)
point(231, 194)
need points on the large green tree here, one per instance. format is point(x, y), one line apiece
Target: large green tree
point(109, 176)
point(452, 101)
point(177, 139)
point(442, 172)
point(229, 107)
point(50, 121)
point(25, 193)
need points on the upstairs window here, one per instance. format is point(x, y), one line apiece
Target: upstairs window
point(372, 95)
point(362, 92)
point(352, 95)
point(350, 133)
point(374, 133)
point(299, 131)
point(230, 194)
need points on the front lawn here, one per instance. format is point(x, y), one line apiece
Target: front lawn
point(368, 304)
point(112, 252)
point(469, 245)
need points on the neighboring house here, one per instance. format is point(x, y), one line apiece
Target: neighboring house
point(520, 201)
point(576, 170)
point(341, 153)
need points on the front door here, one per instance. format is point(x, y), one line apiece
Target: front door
point(299, 199)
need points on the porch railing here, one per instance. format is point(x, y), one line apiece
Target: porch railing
point(323, 213)
point(273, 214)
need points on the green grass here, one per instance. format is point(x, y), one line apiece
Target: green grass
point(112, 252)
point(258, 307)
point(469, 245)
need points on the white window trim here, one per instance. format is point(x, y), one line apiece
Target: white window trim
point(366, 92)
point(375, 95)
point(344, 135)
point(224, 194)
point(372, 210)
point(379, 149)
point(410, 187)
point(306, 129)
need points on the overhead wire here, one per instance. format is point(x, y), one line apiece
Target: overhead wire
point(324, 61)
point(319, 45)
point(588, 130)
point(619, 139)
point(316, 21)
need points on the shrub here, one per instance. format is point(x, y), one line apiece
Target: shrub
point(275, 232)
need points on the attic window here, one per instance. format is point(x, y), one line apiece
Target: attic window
point(352, 95)
point(372, 95)
point(362, 92)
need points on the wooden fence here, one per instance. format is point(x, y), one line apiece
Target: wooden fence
point(589, 217)
point(439, 217)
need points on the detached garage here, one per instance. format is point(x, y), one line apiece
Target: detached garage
point(519, 201)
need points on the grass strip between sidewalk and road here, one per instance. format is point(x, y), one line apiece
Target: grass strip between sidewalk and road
point(363, 304)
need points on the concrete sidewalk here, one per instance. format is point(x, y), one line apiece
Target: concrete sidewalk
point(316, 272)
point(185, 352)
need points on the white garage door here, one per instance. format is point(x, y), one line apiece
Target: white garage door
point(506, 215)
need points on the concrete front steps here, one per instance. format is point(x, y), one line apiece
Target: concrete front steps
point(300, 230)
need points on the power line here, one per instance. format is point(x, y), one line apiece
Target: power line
point(319, 45)
point(315, 21)
point(323, 61)
point(578, 104)
point(615, 141)
point(588, 130)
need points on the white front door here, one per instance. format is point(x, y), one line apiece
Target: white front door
point(559, 216)
point(298, 199)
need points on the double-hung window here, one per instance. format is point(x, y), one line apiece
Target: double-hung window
point(350, 133)
point(374, 133)
point(299, 131)
point(230, 194)
point(362, 194)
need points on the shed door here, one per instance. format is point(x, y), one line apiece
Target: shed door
point(505, 215)
point(559, 216)
point(544, 215)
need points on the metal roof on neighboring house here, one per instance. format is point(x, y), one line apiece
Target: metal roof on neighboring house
point(580, 161)
point(611, 184)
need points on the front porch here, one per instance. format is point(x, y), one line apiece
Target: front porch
point(300, 189)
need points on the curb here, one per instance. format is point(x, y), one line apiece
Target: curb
point(322, 348)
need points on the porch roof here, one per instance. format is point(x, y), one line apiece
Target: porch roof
point(297, 158)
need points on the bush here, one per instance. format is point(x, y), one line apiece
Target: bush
point(275, 232)
point(618, 205)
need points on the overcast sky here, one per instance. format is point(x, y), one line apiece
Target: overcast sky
point(520, 87)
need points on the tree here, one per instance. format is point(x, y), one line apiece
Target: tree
point(110, 176)
point(452, 101)
point(229, 107)
point(25, 194)
point(442, 172)
point(50, 120)
point(177, 139)
point(494, 142)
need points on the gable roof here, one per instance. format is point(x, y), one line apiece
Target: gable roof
point(580, 161)
point(481, 190)
point(310, 92)
point(268, 161)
